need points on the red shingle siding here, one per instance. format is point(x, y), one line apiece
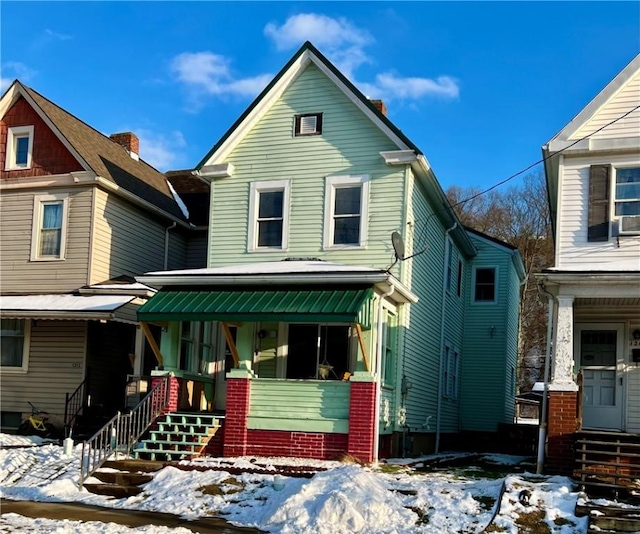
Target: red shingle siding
point(49, 155)
point(563, 406)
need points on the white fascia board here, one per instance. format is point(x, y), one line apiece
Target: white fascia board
point(258, 112)
point(54, 180)
point(57, 315)
point(220, 170)
point(9, 98)
point(399, 157)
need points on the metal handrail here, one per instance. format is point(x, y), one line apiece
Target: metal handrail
point(74, 403)
point(121, 432)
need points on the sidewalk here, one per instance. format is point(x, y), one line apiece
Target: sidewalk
point(130, 518)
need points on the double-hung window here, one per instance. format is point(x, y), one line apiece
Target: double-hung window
point(19, 148)
point(484, 284)
point(450, 371)
point(389, 344)
point(346, 211)
point(14, 339)
point(198, 341)
point(48, 238)
point(627, 199)
point(269, 215)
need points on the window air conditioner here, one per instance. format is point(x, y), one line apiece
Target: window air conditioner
point(629, 225)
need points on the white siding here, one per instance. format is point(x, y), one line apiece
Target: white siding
point(625, 99)
point(574, 251)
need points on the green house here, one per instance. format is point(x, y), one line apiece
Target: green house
point(313, 330)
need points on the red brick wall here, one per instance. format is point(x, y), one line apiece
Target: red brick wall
point(235, 431)
point(174, 392)
point(562, 426)
point(299, 444)
point(49, 155)
point(361, 420)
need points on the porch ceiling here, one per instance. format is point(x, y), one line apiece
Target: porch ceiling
point(253, 305)
point(616, 302)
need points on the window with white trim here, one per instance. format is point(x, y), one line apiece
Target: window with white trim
point(485, 284)
point(626, 199)
point(14, 340)
point(269, 215)
point(48, 239)
point(346, 211)
point(19, 148)
point(450, 371)
point(198, 342)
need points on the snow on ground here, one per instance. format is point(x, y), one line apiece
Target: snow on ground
point(345, 498)
point(20, 523)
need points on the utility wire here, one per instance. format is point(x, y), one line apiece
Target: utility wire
point(495, 186)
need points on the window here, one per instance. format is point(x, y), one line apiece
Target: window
point(346, 202)
point(450, 371)
point(19, 148)
point(449, 267)
point(269, 212)
point(485, 284)
point(197, 343)
point(14, 339)
point(318, 351)
point(48, 237)
point(459, 288)
point(627, 199)
point(389, 340)
point(308, 124)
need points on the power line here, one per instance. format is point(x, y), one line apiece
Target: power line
point(515, 175)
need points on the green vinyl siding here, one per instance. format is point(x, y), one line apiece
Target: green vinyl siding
point(490, 343)
point(350, 144)
point(267, 350)
point(299, 405)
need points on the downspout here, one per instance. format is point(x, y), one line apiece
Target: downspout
point(378, 375)
point(166, 244)
point(443, 309)
point(542, 434)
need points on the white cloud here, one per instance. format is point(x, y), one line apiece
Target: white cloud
point(12, 70)
point(58, 36)
point(210, 73)
point(160, 151)
point(392, 86)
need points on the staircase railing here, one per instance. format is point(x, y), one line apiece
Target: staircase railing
point(123, 430)
point(74, 403)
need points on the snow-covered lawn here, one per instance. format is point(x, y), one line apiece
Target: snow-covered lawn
point(346, 498)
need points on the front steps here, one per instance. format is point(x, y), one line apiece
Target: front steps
point(178, 436)
point(609, 518)
point(122, 478)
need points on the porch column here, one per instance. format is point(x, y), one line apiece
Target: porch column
point(563, 394)
point(361, 416)
point(238, 400)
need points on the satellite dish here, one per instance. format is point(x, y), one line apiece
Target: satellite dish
point(398, 245)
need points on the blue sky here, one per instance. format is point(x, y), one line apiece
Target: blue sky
point(478, 86)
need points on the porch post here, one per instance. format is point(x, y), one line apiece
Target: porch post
point(238, 401)
point(563, 394)
point(362, 404)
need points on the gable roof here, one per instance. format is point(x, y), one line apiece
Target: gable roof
point(307, 53)
point(96, 152)
point(516, 258)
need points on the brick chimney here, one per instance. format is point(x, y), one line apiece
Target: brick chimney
point(129, 141)
point(379, 105)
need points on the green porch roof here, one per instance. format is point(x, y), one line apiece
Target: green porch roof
point(252, 305)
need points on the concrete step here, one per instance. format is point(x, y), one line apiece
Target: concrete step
point(134, 466)
point(121, 478)
point(113, 490)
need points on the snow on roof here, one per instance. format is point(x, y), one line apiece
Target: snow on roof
point(134, 286)
point(272, 267)
point(69, 303)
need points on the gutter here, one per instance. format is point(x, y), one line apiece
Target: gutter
point(378, 375)
point(443, 309)
point(542, 434)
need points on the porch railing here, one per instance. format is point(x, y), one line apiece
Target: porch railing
point(74, 403)
point(123, 430)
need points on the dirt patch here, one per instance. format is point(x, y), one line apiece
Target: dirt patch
point(532, 523)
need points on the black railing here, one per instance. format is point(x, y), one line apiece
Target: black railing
point(74, 404)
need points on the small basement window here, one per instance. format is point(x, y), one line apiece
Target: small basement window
point(308, 124)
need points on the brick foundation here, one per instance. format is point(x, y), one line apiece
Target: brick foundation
point(361, 420)
point(562, 425)
point(174, 391)
point(299, 444)
point(235, 424)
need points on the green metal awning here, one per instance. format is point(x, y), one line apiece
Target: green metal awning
point(286, 305)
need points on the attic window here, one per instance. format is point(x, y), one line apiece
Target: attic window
point(308, 124)
point(19, 148)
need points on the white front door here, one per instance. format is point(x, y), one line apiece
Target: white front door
point(600, 354)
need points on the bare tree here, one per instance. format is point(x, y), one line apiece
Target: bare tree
point(519, 216)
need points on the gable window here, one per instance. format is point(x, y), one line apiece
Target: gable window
point(269, 215)
point(14, 339)
point(49, 227)
point(308, 124)
point(627, 199)
point(19, 148)
point(484, 284)
point(346, 203)
point(450, 370)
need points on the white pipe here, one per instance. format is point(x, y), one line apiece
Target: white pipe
point(443, 309)
point(542, 433)
point(166, 244)
point(378, 375)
